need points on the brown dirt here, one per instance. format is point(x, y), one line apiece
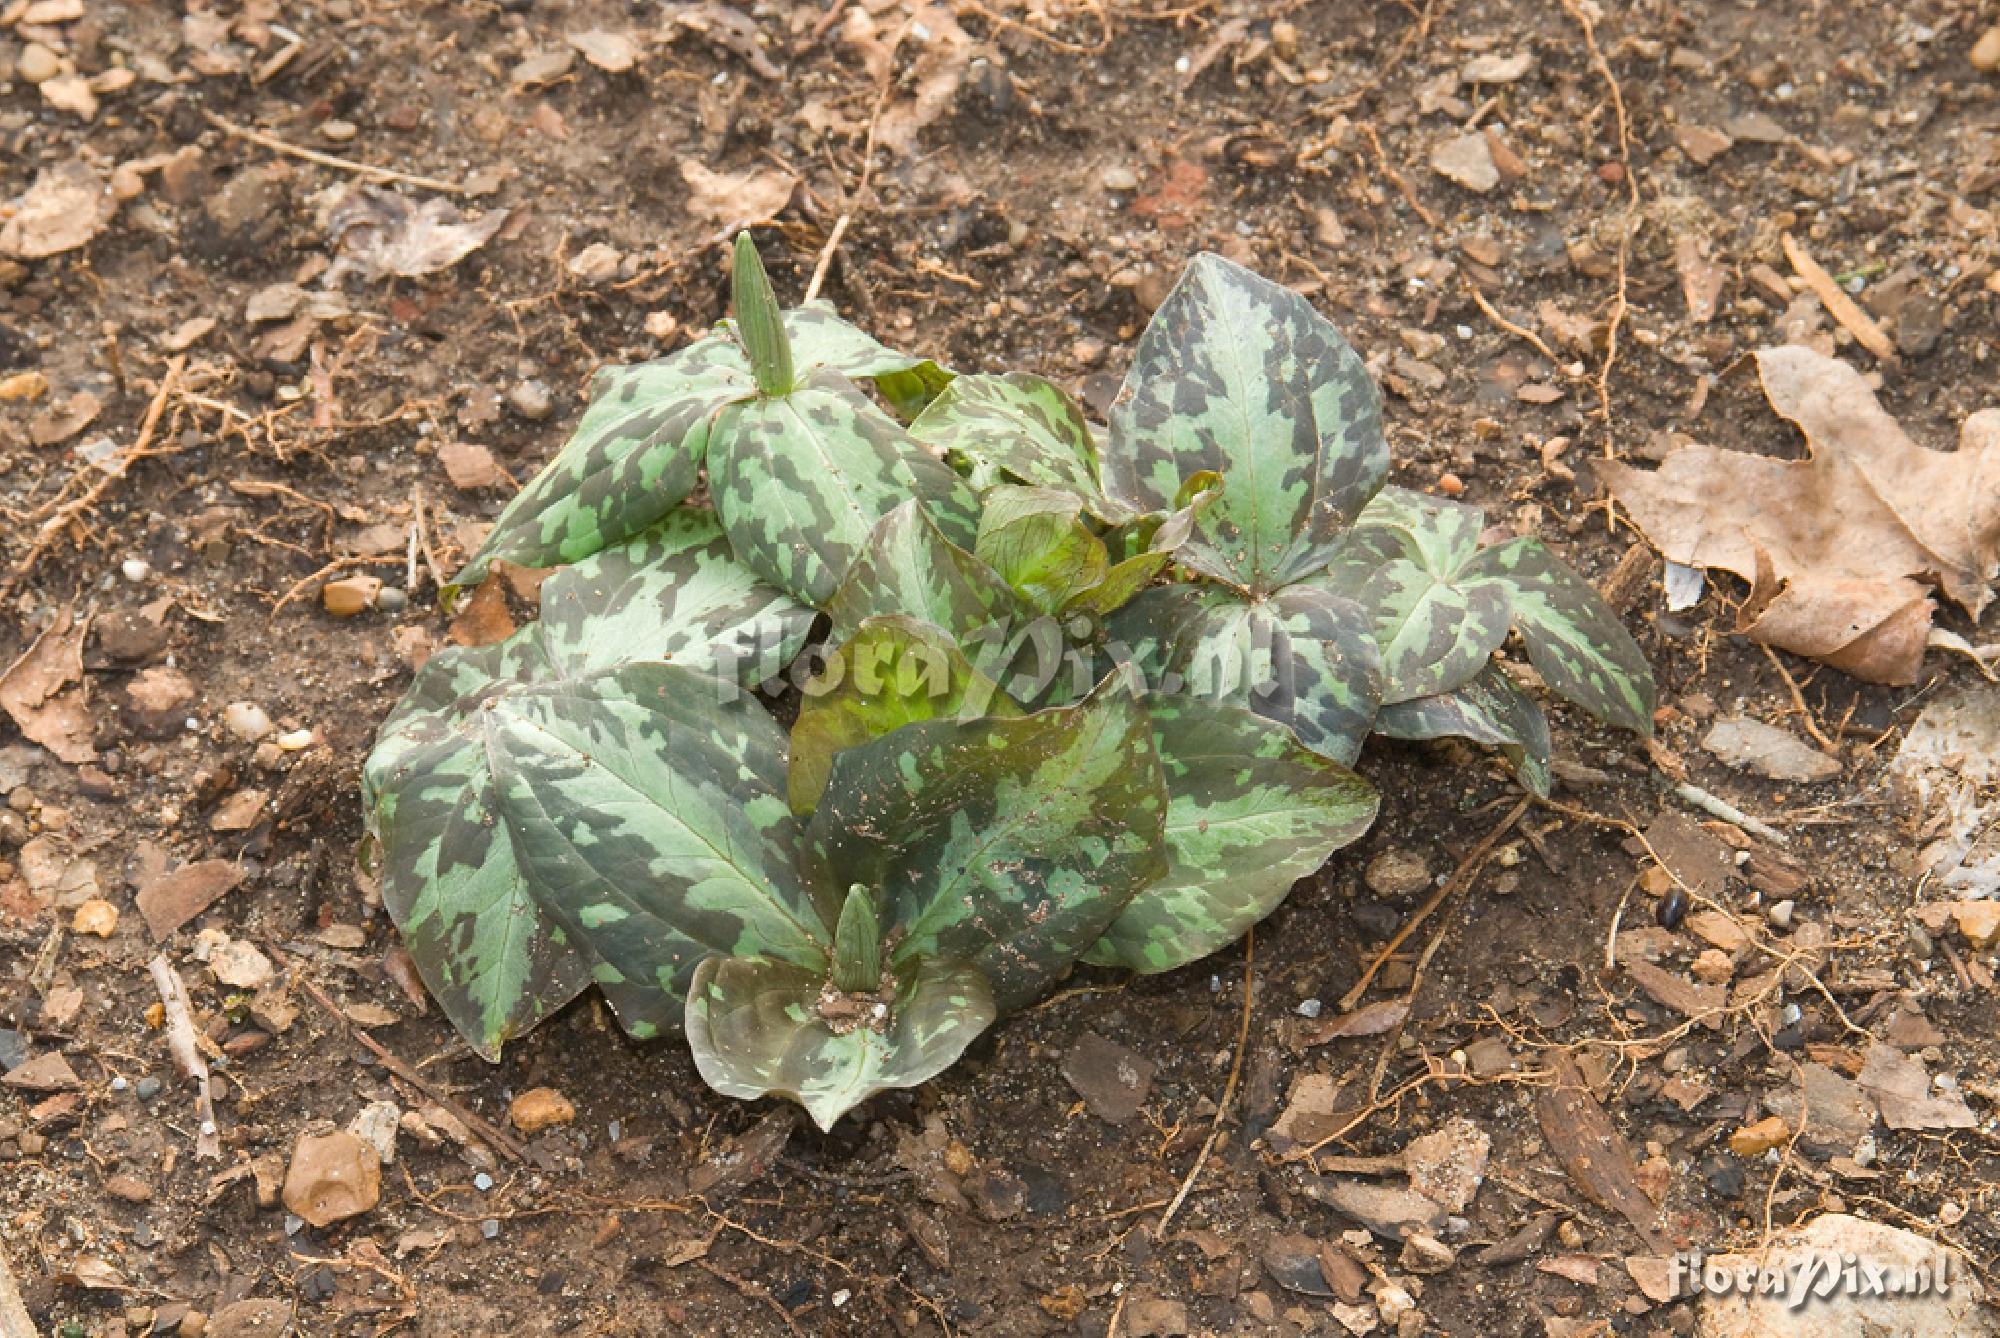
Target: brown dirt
point(993, 243)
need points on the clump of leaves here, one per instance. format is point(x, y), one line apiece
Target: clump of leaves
point(1079, 693)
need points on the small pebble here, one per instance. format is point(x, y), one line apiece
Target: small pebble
point(147, 1088)
point(1309, 1008)
point(296, 740)
point(247, 721)
point(1451, 485)
point(38, 64)
point(136, 570)
point(489, 1228)
point(531, 399)
point(392, 599)
point(482, 1182)
point(118, 1084)
point(1779, 913)
point(1120, 179)
point(338, 131)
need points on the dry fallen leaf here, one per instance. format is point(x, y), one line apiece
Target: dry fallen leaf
point(1840, 548)
point(66, 207)
point(736, 199)
point(32, 691)
point(1901, 1090)
point(611, 52)
point(933, 77)
point(381, 233)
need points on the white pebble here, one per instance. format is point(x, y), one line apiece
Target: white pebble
point(136, 570)
point(1309, 1008)
point(295, 741)
point(246, 720)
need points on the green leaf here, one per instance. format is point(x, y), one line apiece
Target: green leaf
point(494, 962)
point(1021, 428)
point(634, 457)
point(646, 809)
point(1008, 844)
point(892, 672)
point(1250, 811)
point(1574, 640)
point(909, 567)
point(819, 338)
point(1241, 377)
point(1036, 539)
point(801, 480)
point(1303, 657)
point(759, 323)
point(857, 945)
point(1119, 587)
point(1402, 563)
point(760, 1028)
point(673, 593)
point(1489, 709)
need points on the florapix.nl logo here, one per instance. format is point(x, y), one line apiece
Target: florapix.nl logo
point(1815, 1275)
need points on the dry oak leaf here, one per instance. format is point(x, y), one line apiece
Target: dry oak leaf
point(736, 200)
point(1842, 549)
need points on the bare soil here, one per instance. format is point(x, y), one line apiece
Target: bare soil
point(1061, 164)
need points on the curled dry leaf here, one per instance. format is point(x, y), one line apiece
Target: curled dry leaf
point(67, 206)
point(380, 233)
point(734, 200)
point(1840, 548)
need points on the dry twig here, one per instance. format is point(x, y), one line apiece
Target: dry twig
point(1837, 303)
point(276, 145)
point(187, 1053)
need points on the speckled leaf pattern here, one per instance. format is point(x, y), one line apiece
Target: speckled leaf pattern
point(1403, 564)
point(634, 457)
point(676, 594)
point(1250, 811)
point(648, 814)
point(1241, 377)
point(1021, 428)
point(756, 1029)
point(892, 672)
point(909, 567)
point(800, 480)
point(1008, 844)
point(1119, 587)
point(1574, 640)
point(1304, 657)
point(1036, 539)
point(495, 964)
point(1489, 709)
point(820, 338)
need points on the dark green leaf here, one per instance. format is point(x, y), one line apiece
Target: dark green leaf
point(801, 480)
point(892, 672)
point(819, 339)
point(759, 323)
point(1009, 844)
point(1249, 812)
point(1302, 657)
point(1574, 640)
point(646, 809)
point(1488, 710)
point(1021, 428)
point(1241, 377)
point(761, 1028)
point(909, 567)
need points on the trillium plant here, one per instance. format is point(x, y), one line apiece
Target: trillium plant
point(937, 688)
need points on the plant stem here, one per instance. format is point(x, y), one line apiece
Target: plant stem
point(759, 323)
point(857, 945)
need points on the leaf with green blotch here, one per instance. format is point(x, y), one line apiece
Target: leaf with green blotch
point(1303, 657)
point(759, 1027)
point(1489, 709)
point(673, 593)
point(1250, 811)
point(1021, 428)
point(634, 457)
point(647, 811)
point(801, 479)
point(1007, 844)
point(1119, 587)
point(819, 338)
point(909, 567)
point(1241, 377)
point(892, 672)
point(1574, 640)
point(1036, 539)
point(1403, 563)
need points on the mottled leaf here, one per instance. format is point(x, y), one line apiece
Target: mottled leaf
point(892, 672)
point(800, 480)
point(1036, 539)
point(819, 338)
point(647, 811)
point(676, 594)
point(635, 455)
point(1574, 640)
point(1009, 844)
point(1021, 428)
point(1402, 563)
point(1241, 377)
point(909, 567)
point(1119, 587)
point(1250, 811)
point(1489, 709)
point(759, 1027)
point(1303, 657)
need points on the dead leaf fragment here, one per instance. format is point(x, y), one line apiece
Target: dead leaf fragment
point(734, 200)
point(67, 206)
point(33, 692)
point(380, 233)
point(1594, 1154)
point(1901, 1090)
point(170, 901)
point(1368, 1020)
point(1701, 278)
point(611, 52)
point(1838, 547)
